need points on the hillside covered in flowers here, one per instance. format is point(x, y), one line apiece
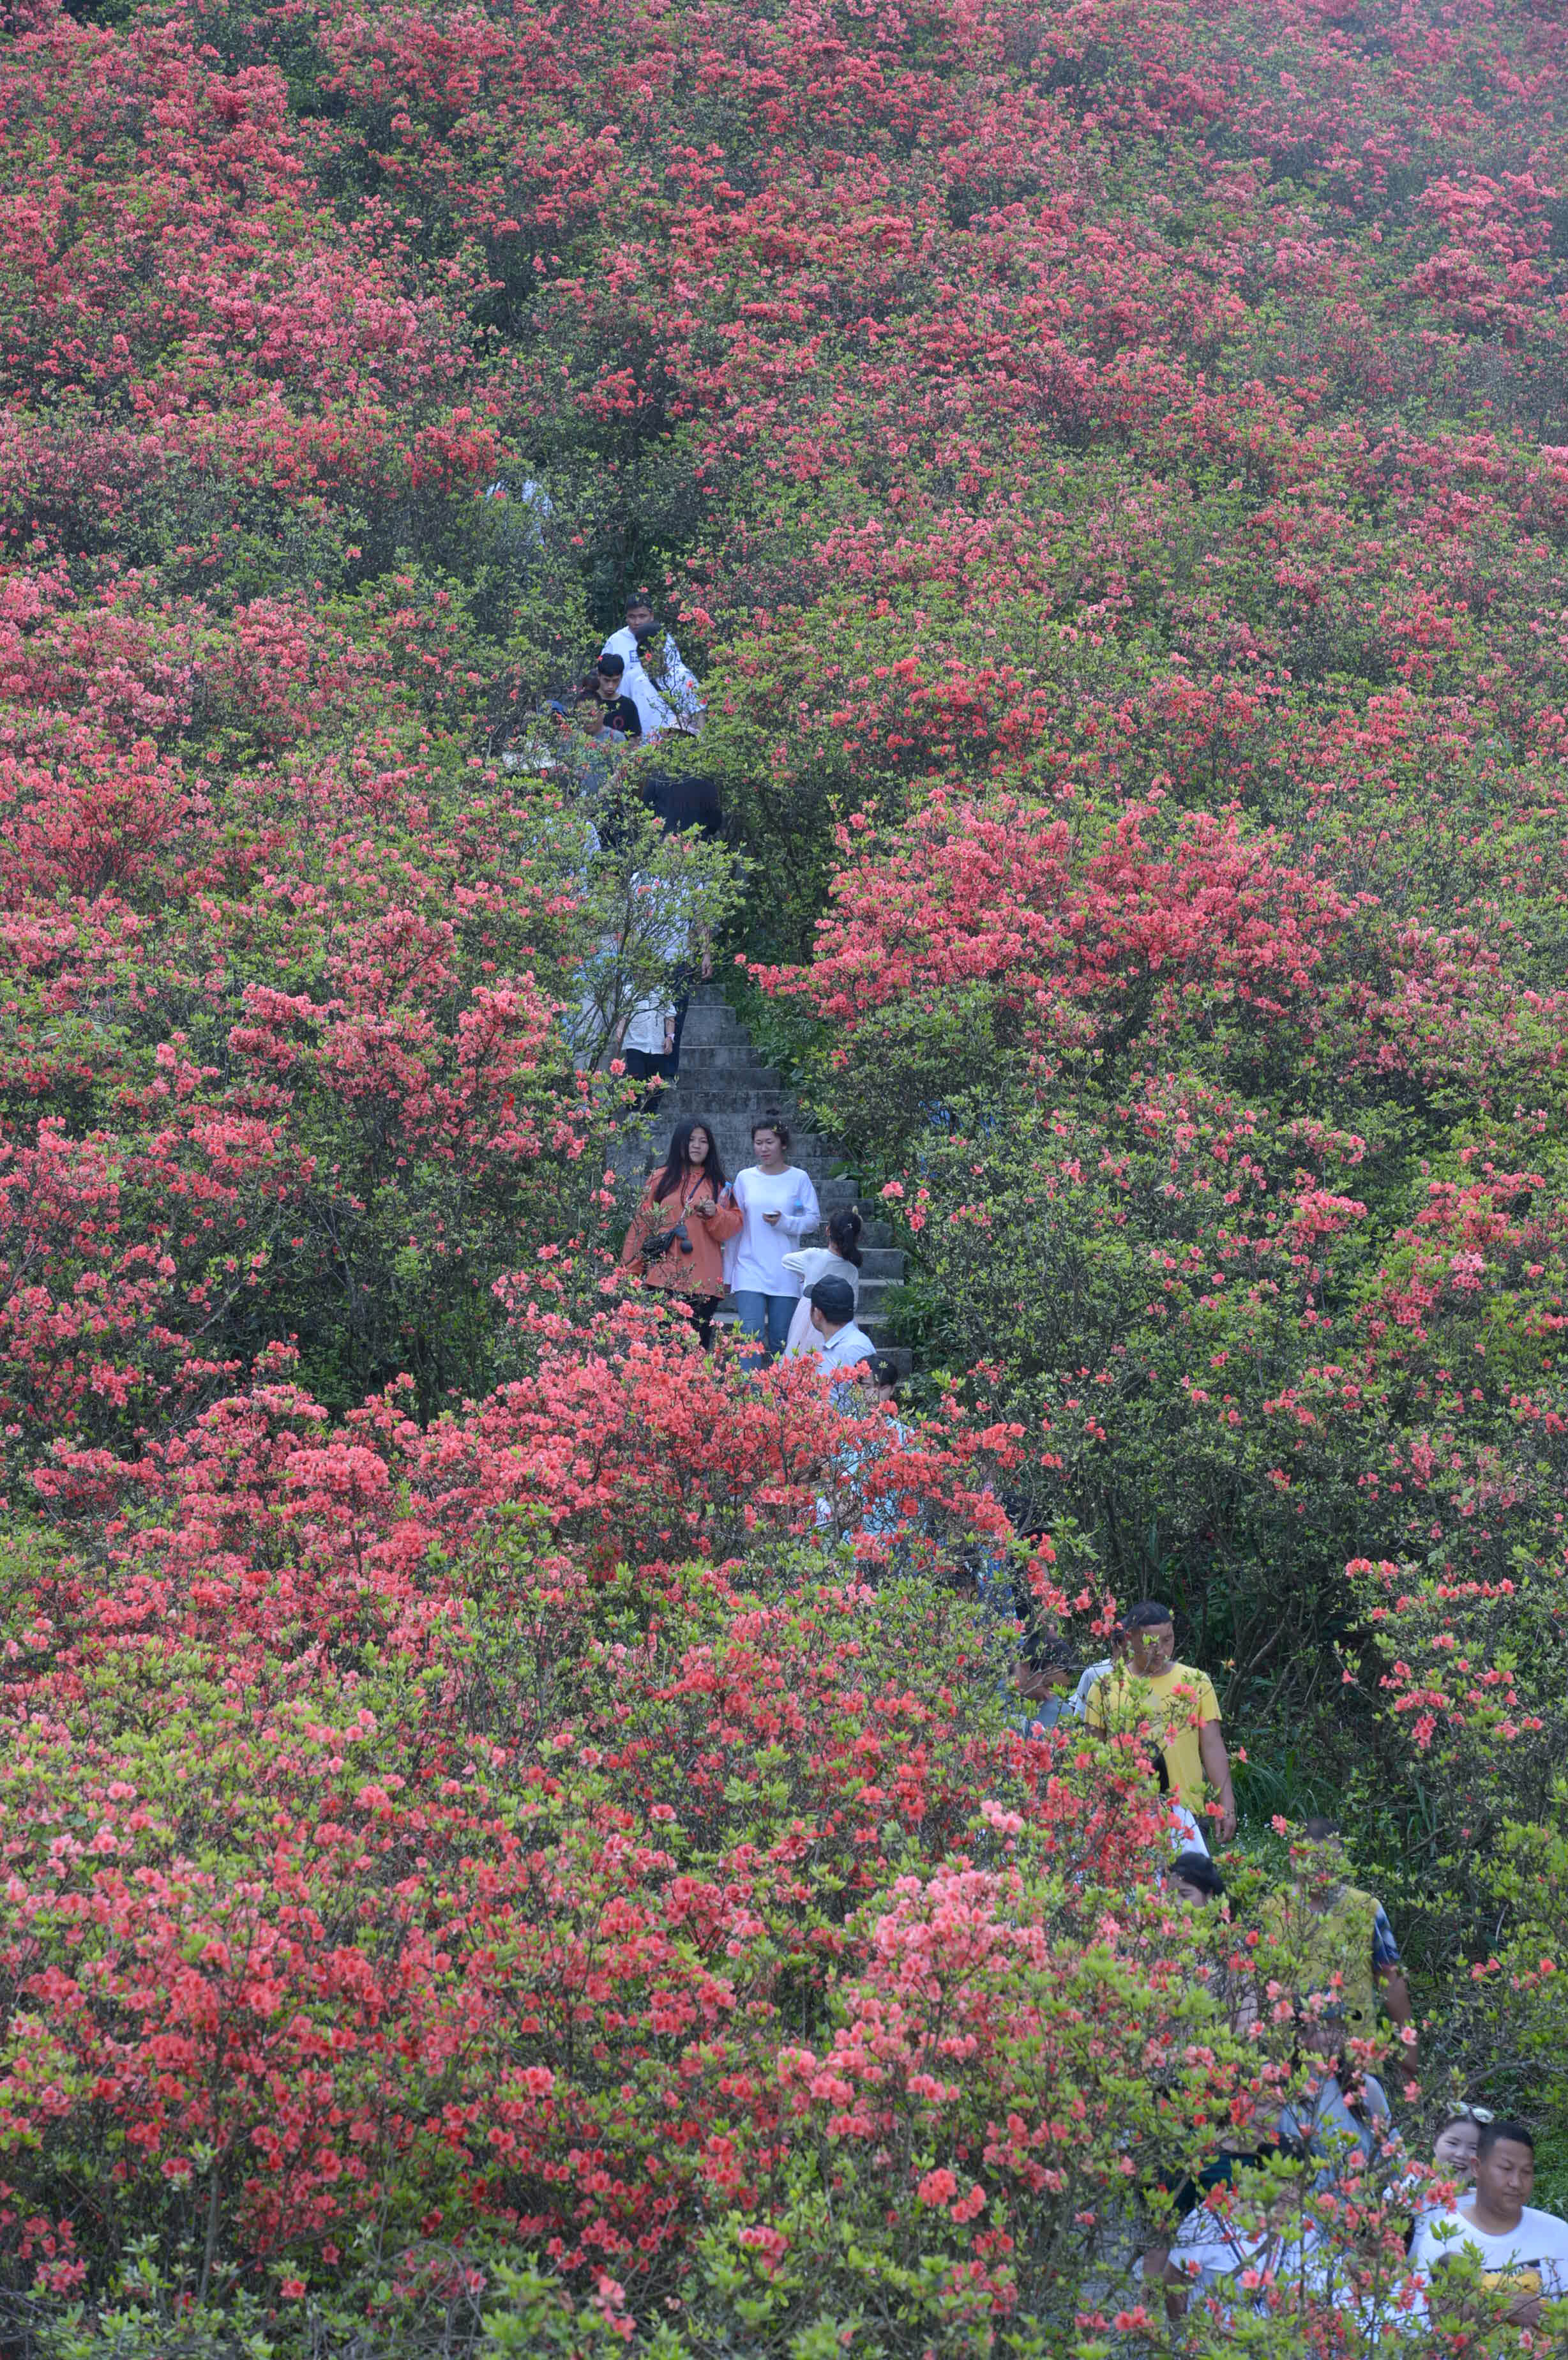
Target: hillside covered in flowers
point(519, 1838)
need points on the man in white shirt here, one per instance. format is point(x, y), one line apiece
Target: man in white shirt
point(673, 700)
point(1523, 2252)
point(1186, 1835)
point(1078, 1702)
point(648, 1038)
point(836, 1338)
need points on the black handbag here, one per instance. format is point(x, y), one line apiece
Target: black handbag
point(664, 1241)
point(676, 1237)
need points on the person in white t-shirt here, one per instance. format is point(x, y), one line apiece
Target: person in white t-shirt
point(840, 1258)
point(1181, 1825)
point(1095, 1672)
point(664, 691)
point(779, 1207)
point(1523, 2252)
point(649, 1036)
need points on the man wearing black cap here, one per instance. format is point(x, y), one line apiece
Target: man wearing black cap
point(672, 702)
point(836, 1339)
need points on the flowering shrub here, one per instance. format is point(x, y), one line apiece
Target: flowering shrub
point(473, 1875)
point(511, 1835)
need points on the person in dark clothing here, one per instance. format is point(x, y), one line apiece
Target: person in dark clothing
point(679, 804)
point(620, 713)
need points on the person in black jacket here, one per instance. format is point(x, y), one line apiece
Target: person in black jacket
point(620, 713)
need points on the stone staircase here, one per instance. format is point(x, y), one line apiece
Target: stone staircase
point(725, 1083)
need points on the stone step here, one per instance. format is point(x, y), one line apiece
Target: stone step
point(746, 1101)
point(727, 1090)
point(735, 1154)
point(883, 1262)
point(870, 1313)
point(723, 1060)
point(709, 1018)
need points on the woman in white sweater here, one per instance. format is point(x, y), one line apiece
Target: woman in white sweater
point(779, 1207)
point(840, 1258)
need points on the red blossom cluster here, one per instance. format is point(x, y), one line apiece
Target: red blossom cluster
point(469, 1771)
point(483, 1863)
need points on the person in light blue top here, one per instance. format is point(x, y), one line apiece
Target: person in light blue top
point(858, 1504)
point(840, 1342)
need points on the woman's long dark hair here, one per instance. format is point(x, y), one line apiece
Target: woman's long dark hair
point(674, 1170)
point(844, 1235)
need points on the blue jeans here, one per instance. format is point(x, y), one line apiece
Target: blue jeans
point(766, 1317)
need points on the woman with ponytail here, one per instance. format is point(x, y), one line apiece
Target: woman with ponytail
point(840, 1258)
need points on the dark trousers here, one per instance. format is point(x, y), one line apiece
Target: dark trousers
point(642, 1065)
point(703, 1308)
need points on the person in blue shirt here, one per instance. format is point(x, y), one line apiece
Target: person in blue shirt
point(1046, 1671)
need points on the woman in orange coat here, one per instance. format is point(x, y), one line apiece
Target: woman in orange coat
point(687, 1197)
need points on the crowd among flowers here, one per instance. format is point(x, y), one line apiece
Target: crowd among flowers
point(519, 1833)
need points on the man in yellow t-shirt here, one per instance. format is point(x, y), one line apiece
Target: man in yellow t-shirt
point(1178, 1702)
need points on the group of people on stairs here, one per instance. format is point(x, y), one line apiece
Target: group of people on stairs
point(696, 1234)
point(640, 694)
point(1327, 1961)
point(650, 675)
point(639, 689)
point(700, 1236)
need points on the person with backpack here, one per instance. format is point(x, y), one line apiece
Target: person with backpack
point(686, 1217)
